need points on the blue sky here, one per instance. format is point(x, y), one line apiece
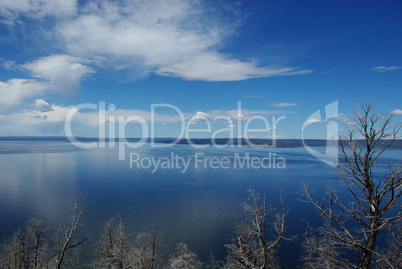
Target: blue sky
point(278, 59)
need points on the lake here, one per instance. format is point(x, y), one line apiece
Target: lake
point(198, 204)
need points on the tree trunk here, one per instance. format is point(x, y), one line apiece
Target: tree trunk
point(366, 256)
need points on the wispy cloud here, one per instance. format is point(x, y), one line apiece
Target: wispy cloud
point(385, 68)
point(9, 65)
point(11, 10)
point(329, 120)
point(316, 121)
point(283, 104)
point(175, 38)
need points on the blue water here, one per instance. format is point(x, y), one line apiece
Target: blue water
point(43, 179)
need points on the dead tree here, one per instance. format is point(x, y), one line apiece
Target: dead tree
point(65, 233)
point(113, 245)
point(27, 248)
point(184, 258)
point(321, 252)
point(35, 233)
point(16, 251)
point(148, 251)
point(252, 246)
point(375, 206)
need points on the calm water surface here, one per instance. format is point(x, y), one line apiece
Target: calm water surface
point(200, 206)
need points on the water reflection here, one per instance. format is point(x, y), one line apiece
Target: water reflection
point(199, 207)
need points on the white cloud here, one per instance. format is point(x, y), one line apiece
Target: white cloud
point(213, 66)
point(41, 117)
point(313, 121)
point(175, 38)
point(329, 120)
point(339, 116)
point(51, 120)
point(283, 104)
point(397, 112)
point(45, 118)
point(14, 91)
point(10, 10)
point(62, 72)
point(385, 68)
point(170, 38)
point(41, 106)
point(234, 114)
point(200, 116)
point(324, 121)
point(54, 74)
point(238, 116)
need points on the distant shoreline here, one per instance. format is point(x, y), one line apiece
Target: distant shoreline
point(254, 142)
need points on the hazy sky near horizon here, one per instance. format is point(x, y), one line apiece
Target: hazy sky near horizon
point(194, 63)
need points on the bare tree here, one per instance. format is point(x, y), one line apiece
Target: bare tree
point(65, 233)
point(27, 248)
point(39, 244)
point(147, 254)
point(252, 246)
point(184, 258)
point(16, 251)
point(321, 252)
point(213, 263)
point(375, 206)
point(113, 244)
point(394, 249)
point(76, 256)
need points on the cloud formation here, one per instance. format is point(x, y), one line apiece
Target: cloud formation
point(396, 112)
point(173, 38)
point(329, 120)
point(14, 91)
point(11, 10)
point(40, 117)
point(41, 106)
point(235, 115)
point(51, 74)
point(62, 72)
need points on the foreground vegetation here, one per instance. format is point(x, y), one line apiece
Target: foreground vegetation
point(251, 247)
